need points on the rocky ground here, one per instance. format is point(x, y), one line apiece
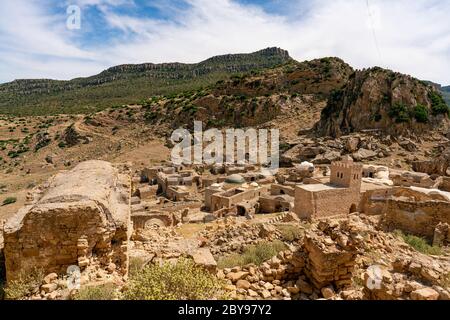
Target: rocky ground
point(368, 263)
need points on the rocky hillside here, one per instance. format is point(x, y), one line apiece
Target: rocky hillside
point(446, 94)
point(382, 99)
point(128, 83)
point(253, 98)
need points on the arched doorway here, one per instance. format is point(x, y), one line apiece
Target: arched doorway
point(353, 208)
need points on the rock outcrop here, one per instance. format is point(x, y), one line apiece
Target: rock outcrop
point(383, 100)
point(77, 216)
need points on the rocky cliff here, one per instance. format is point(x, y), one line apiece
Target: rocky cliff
point(382, 99)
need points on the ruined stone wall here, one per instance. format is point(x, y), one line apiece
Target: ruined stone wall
point(272, 204)
point(331, 254)
point(324, 268)
point(226, 200)
point(326, 203)
point(373, 202)
point(418, 218)
point(278, 189)
point(304, 203)
point(146, 220)
point(77, 216)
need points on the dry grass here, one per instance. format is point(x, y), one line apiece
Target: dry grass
point(255, 254)
point(107, 291)
point(419, 244)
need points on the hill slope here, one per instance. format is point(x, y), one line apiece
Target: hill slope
point(446, 93)
point(127, 83)
point(382, 99)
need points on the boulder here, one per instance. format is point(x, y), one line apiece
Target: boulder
point(243, 284)
point(351, 144)
point(327, 157)
point(424, 294)
point(364, 154)
point(204, 258)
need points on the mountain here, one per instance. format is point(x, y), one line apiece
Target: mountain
point(384, 100)
point(446, 93)
point(128, 83)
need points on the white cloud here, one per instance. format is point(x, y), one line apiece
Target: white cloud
point(413, 36)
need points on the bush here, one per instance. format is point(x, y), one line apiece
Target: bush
point(136, 265)
point(105, 291)
point(400, 113)
point(438, 105)
point(9, 200)
point(418, 243)
point(180, 281)
point(25, 285)
point(255, 254)
point(421, 113)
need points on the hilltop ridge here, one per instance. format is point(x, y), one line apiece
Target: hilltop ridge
point(127, 83)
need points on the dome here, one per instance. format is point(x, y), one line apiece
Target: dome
point(235, 179)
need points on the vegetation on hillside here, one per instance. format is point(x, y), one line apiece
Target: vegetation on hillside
point(127, 84)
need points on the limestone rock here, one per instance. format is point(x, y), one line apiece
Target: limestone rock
point(424, 294)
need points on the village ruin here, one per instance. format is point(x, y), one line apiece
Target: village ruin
point(98, 215)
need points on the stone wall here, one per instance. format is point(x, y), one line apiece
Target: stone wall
point(147, 220)
point(331, 254)
point(77, 216)
point(418, 218)
point(325, 204)
point(233, 197)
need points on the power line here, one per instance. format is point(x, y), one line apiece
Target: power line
point(372, 25)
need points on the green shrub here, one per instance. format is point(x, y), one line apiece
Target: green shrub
point(376, 117)
point(255, 254)
point(180, 281)
point(421, 113)
point(62, 144)
point(438, 105)
point(105, 291)
point(9, 200)
point(399, 112)
point(420, 244)
point(24, 285)
point(135, 266)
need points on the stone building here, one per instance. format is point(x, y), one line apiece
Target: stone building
point(232, 197)
point(408, 179)
point(74, 218)
point(275, 203)
point(187, 178)
point(337, 198)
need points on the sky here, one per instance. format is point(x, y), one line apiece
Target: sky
point(41, 38)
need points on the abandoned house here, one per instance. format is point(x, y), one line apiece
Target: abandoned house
point(339, 197)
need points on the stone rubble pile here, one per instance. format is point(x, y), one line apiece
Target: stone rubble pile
point(332, 252)
point(232, 237)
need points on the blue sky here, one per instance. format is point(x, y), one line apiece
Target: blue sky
point(408, 36)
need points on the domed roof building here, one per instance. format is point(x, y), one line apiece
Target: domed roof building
point(235, 179)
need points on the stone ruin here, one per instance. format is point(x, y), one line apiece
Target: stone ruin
point(77, 217)
point(331, 254)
